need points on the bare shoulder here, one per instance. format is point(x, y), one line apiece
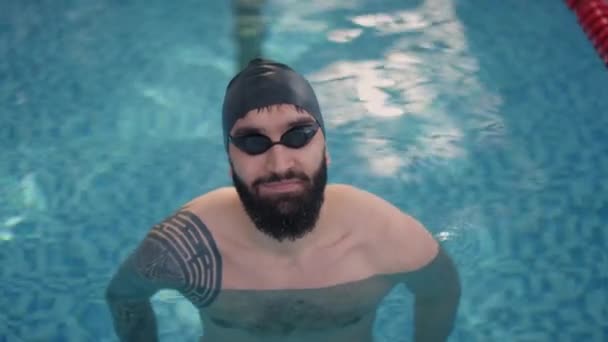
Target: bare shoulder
point(397, 241)
point(191, 223)
point(184, 237)
point(181, 250)
point(217, 208)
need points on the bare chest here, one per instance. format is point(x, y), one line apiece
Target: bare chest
point(292, 312)
point(334, 288)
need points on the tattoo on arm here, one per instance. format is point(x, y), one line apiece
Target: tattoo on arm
point(188, 247)
point(156, 264)
point(178, 253)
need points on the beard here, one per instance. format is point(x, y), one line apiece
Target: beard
point(285, 216)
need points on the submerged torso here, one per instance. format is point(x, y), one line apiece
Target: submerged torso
point(339, 313)
point(330, 295)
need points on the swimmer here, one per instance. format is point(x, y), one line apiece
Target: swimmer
point(281, 255)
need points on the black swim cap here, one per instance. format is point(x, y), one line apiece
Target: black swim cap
point(265, 83)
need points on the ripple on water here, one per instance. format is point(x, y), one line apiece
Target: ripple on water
point(596, 306)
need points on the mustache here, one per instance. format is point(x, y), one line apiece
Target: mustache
point(275, 177)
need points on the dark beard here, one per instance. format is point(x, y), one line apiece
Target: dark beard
point(289, 216)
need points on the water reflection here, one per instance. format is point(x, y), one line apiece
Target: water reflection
point(424, 82)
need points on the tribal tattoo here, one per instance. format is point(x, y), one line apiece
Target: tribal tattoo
point(182, 251)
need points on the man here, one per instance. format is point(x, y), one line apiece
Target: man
point(281, 256)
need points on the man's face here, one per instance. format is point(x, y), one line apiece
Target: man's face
point(281, 189)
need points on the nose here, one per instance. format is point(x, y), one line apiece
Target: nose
point(279, 159)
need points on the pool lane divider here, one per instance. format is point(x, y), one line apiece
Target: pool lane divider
point(592, 16)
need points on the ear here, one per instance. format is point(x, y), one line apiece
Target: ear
point(230, 167)
point(327, 157)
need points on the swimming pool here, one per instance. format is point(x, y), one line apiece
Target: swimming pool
point(486, 123)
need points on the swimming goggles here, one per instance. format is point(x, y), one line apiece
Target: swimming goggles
point(254, 144)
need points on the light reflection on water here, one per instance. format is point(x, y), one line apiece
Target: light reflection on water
point(415, 82)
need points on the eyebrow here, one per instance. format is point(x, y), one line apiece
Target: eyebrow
point(257, 130)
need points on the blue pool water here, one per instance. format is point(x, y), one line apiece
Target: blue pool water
point(486, 123)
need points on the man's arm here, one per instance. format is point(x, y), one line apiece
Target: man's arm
point(436, 287)
point(148, 269)
point(179, 254)
point(405, 249)
point(428, 272)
